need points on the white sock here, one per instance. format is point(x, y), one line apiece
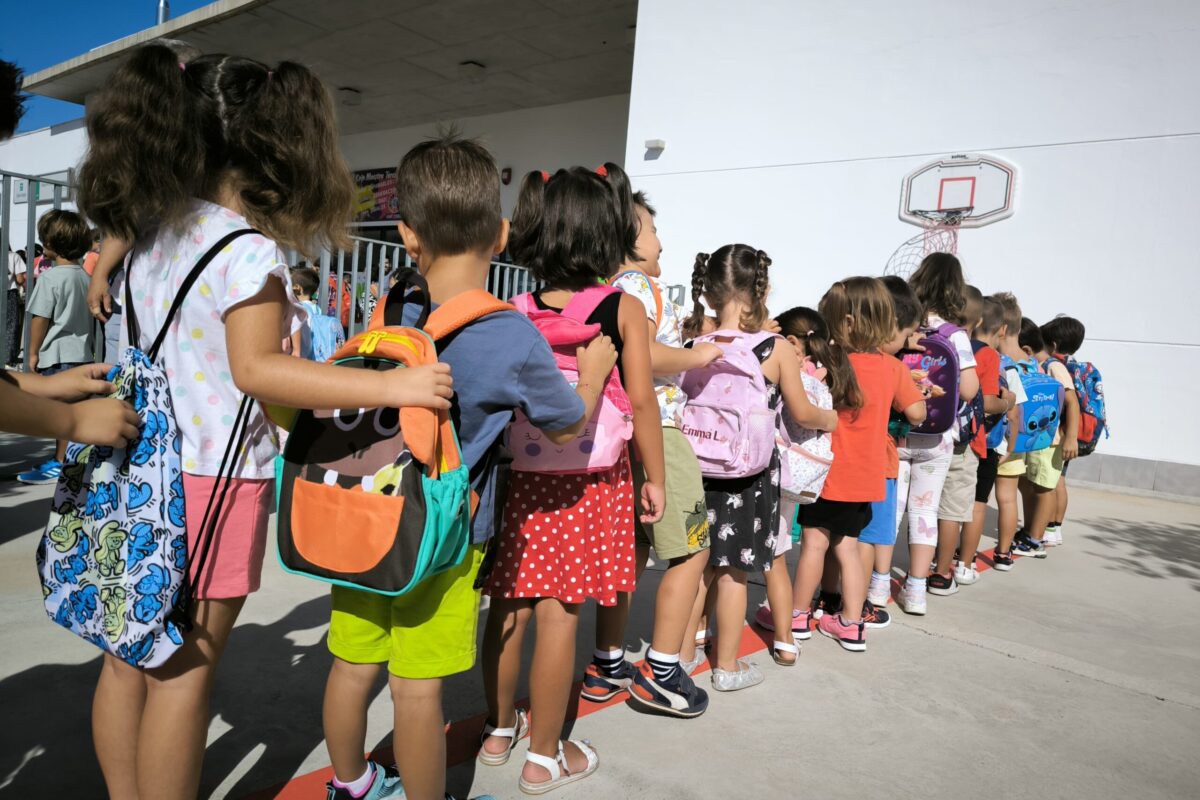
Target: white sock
point(880, 579)
point(359, 787)
point(663, 657)
point(916, 583)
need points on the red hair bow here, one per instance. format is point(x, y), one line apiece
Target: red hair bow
point(602, 171)
point(545, 176)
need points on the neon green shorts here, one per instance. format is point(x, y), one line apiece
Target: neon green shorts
point(427, 633)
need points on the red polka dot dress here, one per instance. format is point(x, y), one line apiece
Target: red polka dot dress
point(569, 537)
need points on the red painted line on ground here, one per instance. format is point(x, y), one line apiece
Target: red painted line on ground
point(462, 736)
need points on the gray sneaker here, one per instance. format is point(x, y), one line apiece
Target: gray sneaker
point(746, 675)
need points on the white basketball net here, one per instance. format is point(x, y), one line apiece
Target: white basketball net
point(939, 236)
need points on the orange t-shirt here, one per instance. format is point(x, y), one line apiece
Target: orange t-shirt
point(89, 261)
point(860, 465)
point(987, 367)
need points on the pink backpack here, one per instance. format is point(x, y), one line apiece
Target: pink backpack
point(727, 418)
point(609, 430)
point(805, 456)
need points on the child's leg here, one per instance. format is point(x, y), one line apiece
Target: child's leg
point(1028, 500)
point(1060, 500)
point(1043, 507)
point(116, 718)
point(779, 596)
point(175, 718)
point(854, 588)
point(730, 586)
point(506, 624)
point(928, 475)
point(811, 566)
point(972, 532)
point(696, 621)
point(610, 627)
point(550, 684)
point(831, 576)
point(419, 736)
point(948, 536)
point(884, 555)
point(1006, 507)
point(675, 603)
point(344, 715)
point(866, 555)
point(60, 450)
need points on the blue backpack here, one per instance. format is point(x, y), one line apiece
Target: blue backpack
point(996, 425)
point(1089, 388)
point(114, 559)
point(1041, 412)
point(326, 332)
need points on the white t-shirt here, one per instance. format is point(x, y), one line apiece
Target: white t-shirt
point(671, 399)
point(1059, 372)
point(194, 351)
point(961, 343)
point(15, 267)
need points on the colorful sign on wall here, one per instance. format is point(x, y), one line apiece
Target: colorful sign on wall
point(375, 195)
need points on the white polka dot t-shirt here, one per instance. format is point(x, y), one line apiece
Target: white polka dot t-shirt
point(194, 352)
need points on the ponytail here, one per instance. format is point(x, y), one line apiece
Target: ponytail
point(812, 329)
point(527, 217)
point(754, 316)
point(624, 205)
point(695, 323)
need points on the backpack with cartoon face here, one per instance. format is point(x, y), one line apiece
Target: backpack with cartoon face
point(939, 362)
point(1093, 417)
point(603, 441)
point(379, 499)
point(1041, 412)
point(114, 560)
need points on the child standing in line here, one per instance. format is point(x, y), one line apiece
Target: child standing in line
point(743, 512)
point(1043, 468)
point(862, 320)
point(305, 283)
point(997, 402)
point(957, 505)
point(61, 333)
point(681, 537)
point(1012, 465)
point(569, 538)
point(1063, 336)
point(808, 334)
point(925, 458)
point(180, 156)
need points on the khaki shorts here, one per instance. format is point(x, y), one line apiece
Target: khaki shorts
point(1044, 467)
point(1013, 466)
point(683, 529)
point(958, 492)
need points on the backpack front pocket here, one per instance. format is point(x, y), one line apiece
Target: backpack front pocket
point(342, 530)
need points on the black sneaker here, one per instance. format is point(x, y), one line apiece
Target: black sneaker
point(874, 616)
point(941, 585)
point(1002, 561)
point(827, 602)
point(1026, 545)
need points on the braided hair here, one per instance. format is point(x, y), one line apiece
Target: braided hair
point(735, 271)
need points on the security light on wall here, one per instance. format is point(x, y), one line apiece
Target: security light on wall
point(349, 96)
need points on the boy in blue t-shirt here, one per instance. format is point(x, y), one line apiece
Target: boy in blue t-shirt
point(450, 203)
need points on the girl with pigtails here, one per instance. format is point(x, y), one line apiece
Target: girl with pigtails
point(743, 512)
point(222, 158)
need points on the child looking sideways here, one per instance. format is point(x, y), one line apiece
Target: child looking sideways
point(1063, 336)
point(862, 320)
point(1012, 465)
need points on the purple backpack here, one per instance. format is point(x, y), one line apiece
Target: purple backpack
point(728, 419)
point(940, 363)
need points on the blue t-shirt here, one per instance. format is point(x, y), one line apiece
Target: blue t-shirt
point(501, 363)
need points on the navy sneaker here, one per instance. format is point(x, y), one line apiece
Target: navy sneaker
point(874, 616)
point(1026, 545)
point(43, 473)
point(678, 696)
point(599, 687)
point(1002, 561)
point(386, 784)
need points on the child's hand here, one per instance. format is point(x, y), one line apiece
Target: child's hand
point(99, 300)
point(1070, 448)
point(107, 422)
point(596, 361)
point(429, 386)
point(78, 383)
point(654, 500)
point(1008, 397)
point(772, 326)
point(706, 353)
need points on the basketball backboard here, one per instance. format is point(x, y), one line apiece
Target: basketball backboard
point(970, 189)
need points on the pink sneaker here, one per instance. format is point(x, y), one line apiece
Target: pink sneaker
point(801, 622)
point(851, 636)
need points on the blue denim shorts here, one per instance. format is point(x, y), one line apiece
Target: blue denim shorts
point(882, 528)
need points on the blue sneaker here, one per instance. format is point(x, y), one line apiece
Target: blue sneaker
point(678, 696)
point(599, 687)
point(45, 473)
point(385, 784)
point(1026, 545)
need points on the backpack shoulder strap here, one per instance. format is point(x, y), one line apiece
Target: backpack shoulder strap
point(461, 310)
point(184, 288)
point(584, 302)
point(524, 303)
point(658, 301)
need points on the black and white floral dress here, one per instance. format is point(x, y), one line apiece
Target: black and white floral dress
point(743, 513)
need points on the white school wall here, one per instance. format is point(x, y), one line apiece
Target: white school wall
point(789, 125)
point(41, 152)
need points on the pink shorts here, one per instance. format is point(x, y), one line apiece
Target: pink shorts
point(233, 566)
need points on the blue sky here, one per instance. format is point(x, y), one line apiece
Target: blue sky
point(40, 33)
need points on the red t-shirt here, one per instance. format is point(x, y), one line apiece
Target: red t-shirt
point(987, 367)
point(860, 463)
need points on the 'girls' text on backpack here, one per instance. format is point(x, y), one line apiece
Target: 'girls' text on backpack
point(940, 363)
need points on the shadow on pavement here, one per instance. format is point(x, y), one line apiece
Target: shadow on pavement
point(1150, 549)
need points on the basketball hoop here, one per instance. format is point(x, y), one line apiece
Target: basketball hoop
point(940, 235)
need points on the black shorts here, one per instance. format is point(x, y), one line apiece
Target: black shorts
point(986, 476)
point(837, 517)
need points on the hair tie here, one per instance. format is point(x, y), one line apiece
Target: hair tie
point(270, 74)
point(602, 171)
point(545, 176)
point(810, 333)
point(182, 67)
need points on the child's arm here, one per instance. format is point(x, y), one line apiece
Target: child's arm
point(795, 398)
point(915, 413)
point(38, 328)
point(102, 421)
point(112, 253)
point(1070, 440)
point(998, 404)
point(667, 360)
point(261, 370)
point(968, 384)
point(647, 423)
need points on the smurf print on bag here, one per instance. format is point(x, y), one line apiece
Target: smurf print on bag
point(114, 559)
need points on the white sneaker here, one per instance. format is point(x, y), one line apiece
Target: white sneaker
point(911, 601)
point(1052, 538)
point(879, 594)
point(964, 576)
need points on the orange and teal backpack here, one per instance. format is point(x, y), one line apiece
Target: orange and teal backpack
point(379, 499)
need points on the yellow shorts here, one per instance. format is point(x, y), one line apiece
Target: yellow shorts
point(1013, 466)
point(1044, 467)
point(427, 633)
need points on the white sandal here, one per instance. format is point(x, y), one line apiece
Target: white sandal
point(560, 775)
point(515, 733)
point(784, 647)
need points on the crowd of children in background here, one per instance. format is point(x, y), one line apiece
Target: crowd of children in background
point(721, 414)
